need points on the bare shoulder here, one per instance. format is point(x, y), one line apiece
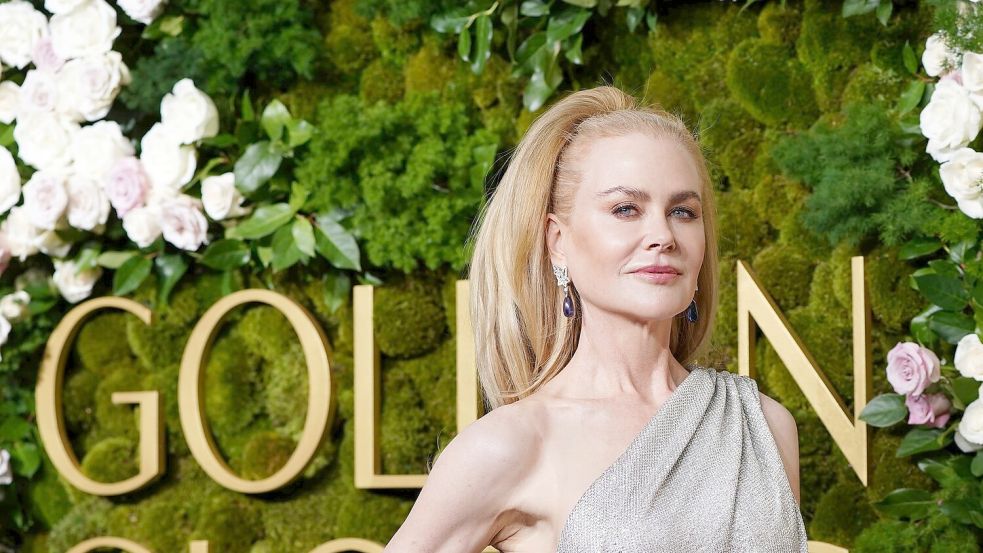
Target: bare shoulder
point(784, 429)
point(470, 489)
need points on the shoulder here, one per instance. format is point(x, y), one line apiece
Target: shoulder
point(469, 492)
point(783, 428)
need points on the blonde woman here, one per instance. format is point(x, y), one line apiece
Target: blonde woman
point(593, 290)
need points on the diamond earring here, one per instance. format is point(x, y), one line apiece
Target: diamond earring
point(563, 280)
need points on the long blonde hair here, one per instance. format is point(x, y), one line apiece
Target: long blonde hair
point(521, 337)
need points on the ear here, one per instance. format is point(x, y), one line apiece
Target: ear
point(554, 239)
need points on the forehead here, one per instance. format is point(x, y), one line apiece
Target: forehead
point(655, 165)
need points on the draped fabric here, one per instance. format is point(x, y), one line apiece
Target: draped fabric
point(704, 474)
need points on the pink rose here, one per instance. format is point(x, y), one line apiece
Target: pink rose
point(182, 222)
point(911, 368)
point(126, 185)
point(931, 409)
point(44, 57)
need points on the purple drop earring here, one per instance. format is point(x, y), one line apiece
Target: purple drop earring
point(564, 281)
point(691, 313)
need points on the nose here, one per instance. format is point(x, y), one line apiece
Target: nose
point(660, 237)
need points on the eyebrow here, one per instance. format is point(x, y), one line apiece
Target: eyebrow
point(642, 195)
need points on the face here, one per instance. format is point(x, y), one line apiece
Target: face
point(637, 205)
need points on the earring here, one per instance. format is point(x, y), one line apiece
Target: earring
point(691, 313)
point(563, 280)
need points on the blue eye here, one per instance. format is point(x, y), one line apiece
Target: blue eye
point(620, 210)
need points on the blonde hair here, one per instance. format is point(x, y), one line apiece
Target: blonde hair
point(521, 337)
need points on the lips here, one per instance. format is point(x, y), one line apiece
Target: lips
point(657, 270)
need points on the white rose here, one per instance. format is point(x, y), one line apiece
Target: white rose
point(75, 285)
point(971, 425)
point(9, 101)
point(20, 27)
point(182, 222)
point(961, 177)
point(98, 147)
point(9, 181)
point(20, 234)
point(968, 358)
point(126, 185)
point(965, 445)
point(5, 254)
point(43, 139)
point(4, 334)
point(937, 56)
point(38, 92)
point(89, 85)
point(13, 306)
point(6, 470)
point(168, 164)
point(221, 198)
point(950, 120)
point(143, 11)
point(44, 56)
point(88, 206)
point(142, 225)
point(189, 113)
point(61, 6)
point(45, 198)
point(87, 30)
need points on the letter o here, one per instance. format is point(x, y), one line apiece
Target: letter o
point(320, 404)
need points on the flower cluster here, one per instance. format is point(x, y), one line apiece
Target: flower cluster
point(953, 118)
point(911, 368)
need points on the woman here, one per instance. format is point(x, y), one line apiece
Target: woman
point(593, 280)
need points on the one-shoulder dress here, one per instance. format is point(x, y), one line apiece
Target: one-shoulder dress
point(704, 475)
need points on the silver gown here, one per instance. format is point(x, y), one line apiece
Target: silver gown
point(703, 475)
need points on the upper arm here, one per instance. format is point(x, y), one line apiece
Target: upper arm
point(461, 504)
point(783, 428)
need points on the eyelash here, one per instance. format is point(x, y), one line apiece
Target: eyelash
point(692, 215)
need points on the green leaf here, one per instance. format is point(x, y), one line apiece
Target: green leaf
point(920, 440)
point(943, 473)
point(573, 53)
point(950, 326)
point(945, 291)
point(911, 97)
point(248, 114)
point(299, 132)
point(566, 24)
point(285, 251)
point(885, 410)
point(651, 18)
point(908, 503)
point(88, 257)
point(960, 510)
point(965, 389)
point(918, 247)
point(336, 245)
point(131, 274)
point(259, 162)
point(582, 3)
point(170, 269)
point(884, 11)
point(483, 40)
point(534, 8)
point(445, 23)
point(910, 60)
point(226, 254)
point(26, 458)
point(464, 44)
point(337, 287)
point(14, 429)
point(633, 16)
point(275, 117)
point(858, 7)
point(977, 466)
point(303, 234)
point(265, 220)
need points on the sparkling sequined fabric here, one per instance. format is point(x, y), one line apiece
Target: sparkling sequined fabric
point(703, 475)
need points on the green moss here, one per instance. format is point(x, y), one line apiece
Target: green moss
point(35, 543)
point(819, 461)
point(233, 384)
point(842, 513)
point(112, 460)
point(771, 84)
point(428, 69)
point(892, 301)
point(733, 158)
point(792, 229)
point(721, 121)
point(94, 351)
point(229, 521)
point(87, 519)
point(830, 67)
point(49, 501)
point(266, 332)
point(434, 378)
point(407, 438)
point(393, 42)
point(870, 83)
point(264, 454)
point(841, 260)
point(77, 401)
point(381, 82)
point(889, 472)
point(348, 43)
point(740, 236)
point(785, 273)
point(165, 381)
point(286, 391)
point(117, 419)
point(778, 23)
point(409, 317)
point(777, 380)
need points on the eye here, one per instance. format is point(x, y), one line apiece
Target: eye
point(688, 211)
point(620, 210)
